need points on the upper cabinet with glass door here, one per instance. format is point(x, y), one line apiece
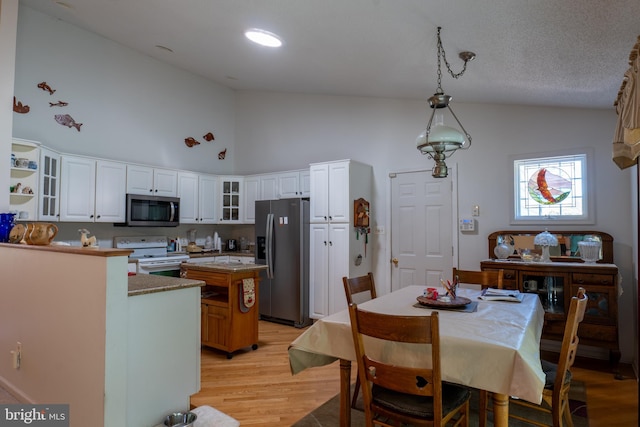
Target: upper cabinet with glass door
point(49, 198)
point(231, 199)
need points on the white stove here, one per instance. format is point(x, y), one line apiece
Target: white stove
point(151, 254)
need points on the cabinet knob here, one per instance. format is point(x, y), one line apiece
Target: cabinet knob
point(395, 261)
point(330, 243)
point(98, 217)
point(325, 243)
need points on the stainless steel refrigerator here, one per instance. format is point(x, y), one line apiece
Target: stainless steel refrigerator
point(282, 243)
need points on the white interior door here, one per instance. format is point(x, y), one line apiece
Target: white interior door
point(421, 228)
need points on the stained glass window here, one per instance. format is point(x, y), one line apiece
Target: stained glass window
point(551, 188)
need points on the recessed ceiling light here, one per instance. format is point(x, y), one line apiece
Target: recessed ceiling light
point(263, 38)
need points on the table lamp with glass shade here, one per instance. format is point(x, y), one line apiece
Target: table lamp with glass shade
point(544, 240)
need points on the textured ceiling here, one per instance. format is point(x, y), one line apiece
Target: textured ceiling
point(570, 53)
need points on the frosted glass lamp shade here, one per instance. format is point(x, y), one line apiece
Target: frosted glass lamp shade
point(441, 138)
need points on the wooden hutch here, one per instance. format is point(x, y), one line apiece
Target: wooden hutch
point(557, 281)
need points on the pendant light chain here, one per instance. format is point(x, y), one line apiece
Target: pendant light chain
point(442, 54)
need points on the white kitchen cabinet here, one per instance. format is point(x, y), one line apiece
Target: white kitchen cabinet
point(49, 189)
point(334, 186)
point(293, 184)
point(147, 180)
point(251, 194)
point(231, 201)
point(92, 190)
point(198, 203)
point(336, 249)
point(273, 186)
point(329, 253)
point(269, 187)
point(305, 183)
point(23, 196)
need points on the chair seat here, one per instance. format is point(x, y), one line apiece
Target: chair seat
point(420, 406)
point(550, 371)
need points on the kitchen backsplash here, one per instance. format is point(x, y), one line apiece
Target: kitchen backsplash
point(68, 232)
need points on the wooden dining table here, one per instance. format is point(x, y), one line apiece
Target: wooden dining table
point(487, 345)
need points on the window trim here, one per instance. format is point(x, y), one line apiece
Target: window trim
point(589, 193)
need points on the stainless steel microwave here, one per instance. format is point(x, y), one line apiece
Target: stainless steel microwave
point(152, 211)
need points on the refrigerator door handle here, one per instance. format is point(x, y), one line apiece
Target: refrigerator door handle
point(269, 245)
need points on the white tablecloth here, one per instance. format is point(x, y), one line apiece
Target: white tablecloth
point(496, 348)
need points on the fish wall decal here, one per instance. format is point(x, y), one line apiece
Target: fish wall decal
point(58, 104)
point(209, 137)
point(222, 154)
point(19, 108)
point(67, 120)
point(191, 142)
point(44, 86)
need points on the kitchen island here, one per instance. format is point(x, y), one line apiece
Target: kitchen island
point(121, 351)
point(163, 346)
point(229, 305)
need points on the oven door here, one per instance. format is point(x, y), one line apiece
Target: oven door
point(169, 268)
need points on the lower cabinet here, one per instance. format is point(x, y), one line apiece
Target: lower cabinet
point(215, 320)
point(334, 253)
point(556, 283)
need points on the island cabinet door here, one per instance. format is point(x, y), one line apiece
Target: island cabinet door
point(215, 326)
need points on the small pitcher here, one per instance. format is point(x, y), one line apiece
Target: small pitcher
point(41, 233)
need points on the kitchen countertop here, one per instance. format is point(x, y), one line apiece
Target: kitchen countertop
point(142, 284)
point(212, 253)
point(76, 250)
point(232, 267)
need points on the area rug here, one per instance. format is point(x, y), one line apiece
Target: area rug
point(328, 414)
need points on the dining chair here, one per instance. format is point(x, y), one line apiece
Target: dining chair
point(359, 286)
point(395, 395)
point(555, 396)
point(484, 278)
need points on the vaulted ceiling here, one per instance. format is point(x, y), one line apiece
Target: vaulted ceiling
point(567, 53)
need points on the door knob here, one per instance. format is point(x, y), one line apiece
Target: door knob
point(395, 261)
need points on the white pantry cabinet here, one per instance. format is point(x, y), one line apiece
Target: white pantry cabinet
point(198, 202)
point(331, 187)
point(92, 190)
point(336, 250)
point(147, 180)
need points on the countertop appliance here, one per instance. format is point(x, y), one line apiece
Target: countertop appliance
point(282, 243)
point(151, 254)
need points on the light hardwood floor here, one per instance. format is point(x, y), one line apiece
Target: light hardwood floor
point(257, 388)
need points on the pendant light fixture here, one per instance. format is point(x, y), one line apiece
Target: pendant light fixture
point(438, 140)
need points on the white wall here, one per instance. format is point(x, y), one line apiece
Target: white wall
point(297, 129)
point(8, 28)
point(133, 107)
